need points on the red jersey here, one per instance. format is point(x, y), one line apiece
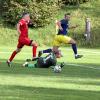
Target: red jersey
point(23, 28)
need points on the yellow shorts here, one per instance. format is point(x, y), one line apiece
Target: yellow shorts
point(59, 39)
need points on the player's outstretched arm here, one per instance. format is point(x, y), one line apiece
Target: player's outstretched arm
point(59, 25)
point(18, 29)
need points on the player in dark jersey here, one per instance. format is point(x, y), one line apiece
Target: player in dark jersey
point(22, 28)
point(62, 37)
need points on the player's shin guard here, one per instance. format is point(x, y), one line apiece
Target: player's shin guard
point(34, 51)
point(74, 47)
point(12, 56)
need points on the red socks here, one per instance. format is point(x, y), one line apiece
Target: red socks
point(14, 53)
point(12, 56)
point(34, 51)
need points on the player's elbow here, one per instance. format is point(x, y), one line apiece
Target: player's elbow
point(59, 23)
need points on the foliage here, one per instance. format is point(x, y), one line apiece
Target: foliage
point(74, 2)
point(41, 12)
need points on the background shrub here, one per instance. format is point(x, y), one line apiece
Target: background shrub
point(41, 11)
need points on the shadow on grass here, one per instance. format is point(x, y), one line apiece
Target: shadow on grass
point(82, 70)
point(42, 93)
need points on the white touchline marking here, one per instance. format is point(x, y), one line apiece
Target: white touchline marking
point(78, 65)
point(87, 51)
point(95, 52)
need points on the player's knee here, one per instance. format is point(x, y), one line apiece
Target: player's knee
point(72, 41)
point(57, 53)
point(55, 48)
point(34, 44)
point(18, 50)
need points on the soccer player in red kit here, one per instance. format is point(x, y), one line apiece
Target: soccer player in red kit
point(22, 28)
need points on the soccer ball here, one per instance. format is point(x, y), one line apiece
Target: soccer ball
point(57, 69)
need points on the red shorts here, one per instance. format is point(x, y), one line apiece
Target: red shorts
point(24, 41)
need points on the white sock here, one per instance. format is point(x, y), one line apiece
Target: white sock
point(76, 55)
point(8, 60)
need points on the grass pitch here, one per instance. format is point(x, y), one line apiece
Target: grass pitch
point(79, 79)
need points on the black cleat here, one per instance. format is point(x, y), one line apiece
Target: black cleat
point(40, 54)
point(78, 56)
point(62, 64)
point(35, 58)
point(28, 60)
point(9, 63)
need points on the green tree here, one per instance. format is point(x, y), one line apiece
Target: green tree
point(41, 11)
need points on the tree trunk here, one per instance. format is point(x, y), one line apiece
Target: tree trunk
point(88, 29)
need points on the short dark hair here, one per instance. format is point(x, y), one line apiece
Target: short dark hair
point(67, 14)
point(25, 13)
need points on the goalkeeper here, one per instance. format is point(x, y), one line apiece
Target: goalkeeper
point(43, 62)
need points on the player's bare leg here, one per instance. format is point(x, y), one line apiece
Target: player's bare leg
point(57, 51)
point(12, 56)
